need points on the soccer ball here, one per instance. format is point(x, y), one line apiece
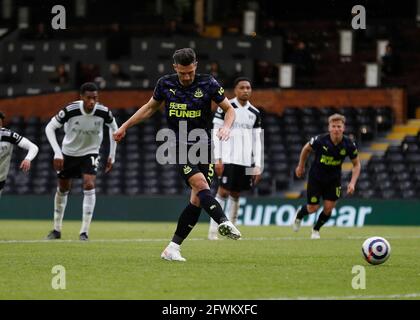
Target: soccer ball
point(376, 250)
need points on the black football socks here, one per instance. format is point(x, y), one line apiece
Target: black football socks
point(322, 219)
point(186, 223)
point(303, 211)
point(212, 206)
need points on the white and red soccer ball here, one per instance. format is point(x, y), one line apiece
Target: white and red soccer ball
point(376, 250)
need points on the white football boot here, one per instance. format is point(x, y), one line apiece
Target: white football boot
point(315, 234)
point(296, 224)
point(172, 253)
point(227, 229)
point(213, 230)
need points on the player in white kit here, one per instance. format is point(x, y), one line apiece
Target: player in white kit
point(8, 139)
point(241, 152)
point(79, 155)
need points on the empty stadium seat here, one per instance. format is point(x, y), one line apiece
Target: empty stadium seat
point(384, 118)
point(137, 172)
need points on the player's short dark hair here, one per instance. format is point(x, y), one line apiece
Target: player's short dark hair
point(88, 86)
point(2, 116)
point(239, 79)
point(184, 56)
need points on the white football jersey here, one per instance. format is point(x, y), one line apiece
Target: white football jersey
point(83, 131)
point(244, 145)
point(8, 139)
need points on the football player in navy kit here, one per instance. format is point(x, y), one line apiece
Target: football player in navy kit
point(8, 139)
point(325, 173)
point(79, 156)
point(186, 97)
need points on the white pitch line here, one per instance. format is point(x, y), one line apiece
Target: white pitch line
point(197, 239)
point(389, 296)
point(78, 241)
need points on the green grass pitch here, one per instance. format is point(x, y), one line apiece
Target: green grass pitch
point(122, 261)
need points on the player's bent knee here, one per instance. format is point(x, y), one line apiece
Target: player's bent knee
point(198, 182)
point(199, 185)
point(328, 207)
point(88, 186)
point(195, 201)
point(313, 207)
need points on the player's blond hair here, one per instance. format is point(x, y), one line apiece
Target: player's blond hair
point(337, 117)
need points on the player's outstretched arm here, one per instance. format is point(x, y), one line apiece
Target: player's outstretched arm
point(355, 172)
point(224, 131)
point(32, 152)
point(145, 112)
point(300, 169)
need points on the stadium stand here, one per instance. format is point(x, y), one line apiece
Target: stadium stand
point(30, 61)
point(136, 170)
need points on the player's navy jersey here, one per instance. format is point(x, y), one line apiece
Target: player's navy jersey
point(8, 139)
point(83, 131)
point(329, 157)
point(190, 104)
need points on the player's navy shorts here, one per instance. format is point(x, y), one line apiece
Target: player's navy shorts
point(75, 167)
point(328, 190)
point(2, 183)
point(234, 178)
point(189, 168)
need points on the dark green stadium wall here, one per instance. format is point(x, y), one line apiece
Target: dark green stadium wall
point(253, 211)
